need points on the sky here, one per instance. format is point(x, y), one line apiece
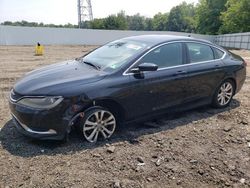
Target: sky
point(65, 11)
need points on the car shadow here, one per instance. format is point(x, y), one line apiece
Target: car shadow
point(19, 145)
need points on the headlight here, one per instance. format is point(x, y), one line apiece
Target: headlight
point(41, 102)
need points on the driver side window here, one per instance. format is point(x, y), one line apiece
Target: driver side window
point(165, 56)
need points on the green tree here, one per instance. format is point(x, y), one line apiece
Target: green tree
point(86, 24)
point(41, 24)
point(237, 17)
point(208, 16)
point(181, 18)
point(118, 21)
point(160, 22)
point(97, 24)
point(136, 22)
point(7, 23)
point(148, 24)
point(68, 25)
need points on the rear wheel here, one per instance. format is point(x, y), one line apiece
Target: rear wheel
point(97, 123)
point(224, 94)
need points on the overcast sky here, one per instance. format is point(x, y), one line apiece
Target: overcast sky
point(65, 11)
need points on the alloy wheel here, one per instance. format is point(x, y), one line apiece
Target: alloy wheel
point(225, 93)
point(99, 123)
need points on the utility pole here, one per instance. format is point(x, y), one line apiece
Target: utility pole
point(84, 12)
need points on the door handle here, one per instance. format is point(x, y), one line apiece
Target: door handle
point(180, 72)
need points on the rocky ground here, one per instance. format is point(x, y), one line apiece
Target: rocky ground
point(204, 147)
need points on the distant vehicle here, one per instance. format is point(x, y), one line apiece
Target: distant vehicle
point(127, 80)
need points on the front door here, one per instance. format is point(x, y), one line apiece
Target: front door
point(157, 90)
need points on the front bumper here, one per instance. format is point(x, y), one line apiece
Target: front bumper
point(40, 124)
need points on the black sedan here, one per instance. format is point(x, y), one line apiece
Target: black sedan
point(127, 80)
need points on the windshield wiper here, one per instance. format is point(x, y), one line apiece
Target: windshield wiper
point(92, 64)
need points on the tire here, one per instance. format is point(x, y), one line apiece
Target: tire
point(224, 94)
point(97, 122)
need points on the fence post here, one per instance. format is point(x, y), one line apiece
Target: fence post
point(248, 43)
point(241, 41)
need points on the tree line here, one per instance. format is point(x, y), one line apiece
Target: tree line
point(35, 24)
point(207, 17)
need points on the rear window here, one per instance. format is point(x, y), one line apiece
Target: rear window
point(218, 53)
point(199, 52)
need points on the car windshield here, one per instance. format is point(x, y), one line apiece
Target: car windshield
point(113, 55)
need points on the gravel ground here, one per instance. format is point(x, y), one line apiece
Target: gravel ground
point(204, 147)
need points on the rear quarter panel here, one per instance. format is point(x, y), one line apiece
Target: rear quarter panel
point(236, 68)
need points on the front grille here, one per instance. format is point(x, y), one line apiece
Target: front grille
point(14, 96)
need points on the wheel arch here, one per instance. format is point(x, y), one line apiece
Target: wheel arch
point(214, 102)
point(233, 80)
point(112, 105)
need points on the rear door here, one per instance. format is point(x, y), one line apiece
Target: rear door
point(205, 70)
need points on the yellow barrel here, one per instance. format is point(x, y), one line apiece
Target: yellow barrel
point(39, 50)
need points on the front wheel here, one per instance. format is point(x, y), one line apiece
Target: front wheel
point(224, 94)
point(97, 122)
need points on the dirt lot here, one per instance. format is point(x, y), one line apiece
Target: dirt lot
point(204, 147)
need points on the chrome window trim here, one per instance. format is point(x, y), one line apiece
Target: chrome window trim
point(125, 73)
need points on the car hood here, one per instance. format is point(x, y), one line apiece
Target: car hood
point(52, 79)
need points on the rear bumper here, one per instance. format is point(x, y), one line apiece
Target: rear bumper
point(240, 79)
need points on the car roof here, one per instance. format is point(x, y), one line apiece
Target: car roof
point(158, 39)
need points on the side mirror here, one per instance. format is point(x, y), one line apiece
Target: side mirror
point(144, 67)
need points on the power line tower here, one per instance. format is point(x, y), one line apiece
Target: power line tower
point(84, 12)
